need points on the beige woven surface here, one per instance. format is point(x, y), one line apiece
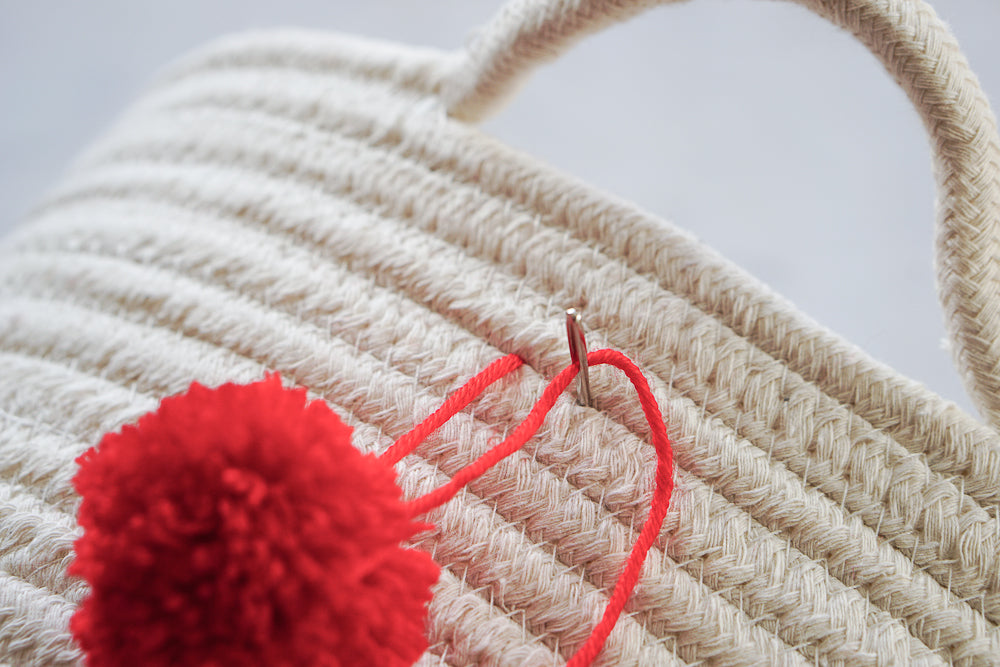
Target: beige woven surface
point(303, 202)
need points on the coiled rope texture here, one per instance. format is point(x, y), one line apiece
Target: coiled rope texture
point(302, 202)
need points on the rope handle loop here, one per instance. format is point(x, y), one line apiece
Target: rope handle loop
point(923, 56)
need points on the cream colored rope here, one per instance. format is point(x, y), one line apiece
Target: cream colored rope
point(299, 202)
point(923, 56)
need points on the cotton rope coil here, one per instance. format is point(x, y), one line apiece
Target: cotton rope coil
point(314, 204)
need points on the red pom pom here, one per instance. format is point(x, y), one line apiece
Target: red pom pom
point(239, 526)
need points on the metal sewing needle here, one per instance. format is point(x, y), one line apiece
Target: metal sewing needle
point(578, 354)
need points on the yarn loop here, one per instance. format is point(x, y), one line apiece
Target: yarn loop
point(240, 525)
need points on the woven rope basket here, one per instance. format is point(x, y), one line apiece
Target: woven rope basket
point(323, 206)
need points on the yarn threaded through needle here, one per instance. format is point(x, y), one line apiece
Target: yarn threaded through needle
point(240, 522)
point(664, 477)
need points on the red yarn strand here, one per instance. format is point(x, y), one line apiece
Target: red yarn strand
point(657, 512)
point(661, 443)
point(452, 406)
point(514, 442)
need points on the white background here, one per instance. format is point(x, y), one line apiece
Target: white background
point(757, 126)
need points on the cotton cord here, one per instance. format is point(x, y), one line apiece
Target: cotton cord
point(661, 443)
point(240, 218)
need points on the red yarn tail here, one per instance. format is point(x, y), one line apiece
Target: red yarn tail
point(455, 404)
point(657, 510)
point(661, 443)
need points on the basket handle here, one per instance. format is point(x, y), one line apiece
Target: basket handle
point(923, 56)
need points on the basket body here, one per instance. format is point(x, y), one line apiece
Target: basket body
point(301, 202)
